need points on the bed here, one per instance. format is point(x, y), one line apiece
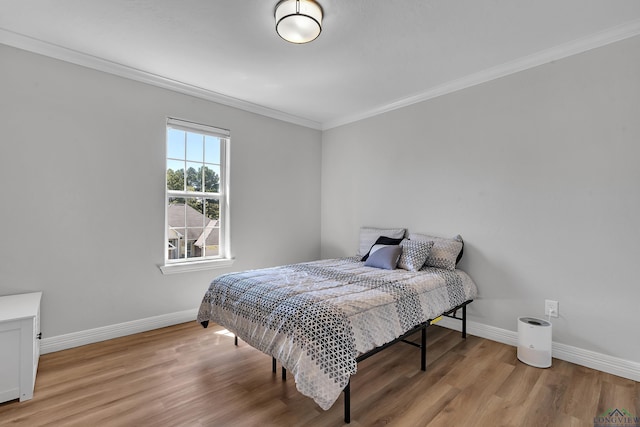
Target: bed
point(318, 319)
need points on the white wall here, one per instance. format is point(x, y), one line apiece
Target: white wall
point(539, 173)
point(82, 189)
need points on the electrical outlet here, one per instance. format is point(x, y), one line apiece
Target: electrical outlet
point(551, 308)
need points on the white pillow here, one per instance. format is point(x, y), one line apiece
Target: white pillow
point(369, 235)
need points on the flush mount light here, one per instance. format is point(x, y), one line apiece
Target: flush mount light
point(298, 21)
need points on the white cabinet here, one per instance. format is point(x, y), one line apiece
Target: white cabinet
point(19, 345)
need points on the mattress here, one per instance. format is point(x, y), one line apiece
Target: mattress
point(317, 317)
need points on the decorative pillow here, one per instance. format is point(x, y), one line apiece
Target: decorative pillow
point(459, 238)
point(369, 235)
point(414, 254)
point(445, 253)
point(384, 256)
point(382, 240)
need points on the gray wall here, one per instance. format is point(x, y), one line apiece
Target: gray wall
point(536, 170)
point(82, 176)
point(539, 173)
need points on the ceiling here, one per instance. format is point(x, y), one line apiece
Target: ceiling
point(372, 55)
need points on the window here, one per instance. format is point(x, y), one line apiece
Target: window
point(196, 218)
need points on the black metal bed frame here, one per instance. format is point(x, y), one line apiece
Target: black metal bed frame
point(422, 327)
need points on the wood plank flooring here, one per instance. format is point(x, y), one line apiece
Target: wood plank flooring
point(185, 375)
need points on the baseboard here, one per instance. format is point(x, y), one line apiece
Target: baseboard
point(601, 362)
point(89, 336)
point(590, 359)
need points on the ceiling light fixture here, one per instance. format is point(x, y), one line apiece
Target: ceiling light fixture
point(298, 21)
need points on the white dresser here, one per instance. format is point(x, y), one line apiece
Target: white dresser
point(19, 345)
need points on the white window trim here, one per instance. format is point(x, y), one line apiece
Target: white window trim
point(226, 260)
point(187, 266)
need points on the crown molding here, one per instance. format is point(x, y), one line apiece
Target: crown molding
point(603, 38)
point(40, 47)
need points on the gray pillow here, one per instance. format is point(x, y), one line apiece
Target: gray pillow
point(384, 256)
point(444, 253)
point(382, 240)
point(414, 254)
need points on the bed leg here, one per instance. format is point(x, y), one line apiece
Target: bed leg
point(464, 321)
point(347, 403)
point(423, 349)
point(236, 340)
point(284, 374)
point(273, 365)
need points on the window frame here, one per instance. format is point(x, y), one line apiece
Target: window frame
point(223, 258)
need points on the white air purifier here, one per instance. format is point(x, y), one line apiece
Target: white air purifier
point(534, 342)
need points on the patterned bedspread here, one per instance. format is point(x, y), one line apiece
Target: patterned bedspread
point(317, 317)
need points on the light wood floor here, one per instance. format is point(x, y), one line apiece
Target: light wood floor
point(185, 375)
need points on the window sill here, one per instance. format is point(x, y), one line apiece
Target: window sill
point(185, 267)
